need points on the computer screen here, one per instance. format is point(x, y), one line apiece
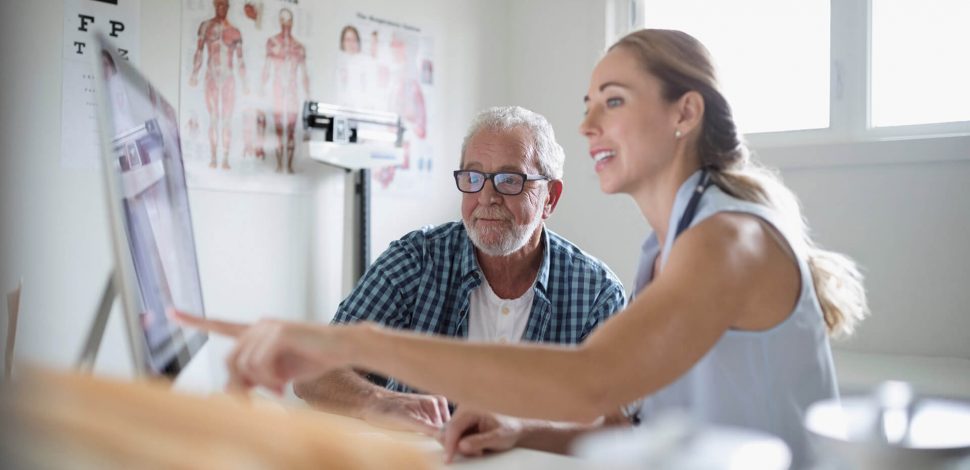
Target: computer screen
point(151, 225)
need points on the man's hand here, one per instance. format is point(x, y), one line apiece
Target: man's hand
point(472, 433)
point(426, 414)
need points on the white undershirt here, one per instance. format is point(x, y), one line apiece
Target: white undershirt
point(496, 320)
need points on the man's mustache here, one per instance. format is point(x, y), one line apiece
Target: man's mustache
point(491, 214)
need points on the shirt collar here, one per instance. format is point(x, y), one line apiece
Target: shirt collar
point(543, 277)
point(468, 261)
point(684, 193)
point(651, 246)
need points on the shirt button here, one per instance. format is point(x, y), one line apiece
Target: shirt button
point(505, 310)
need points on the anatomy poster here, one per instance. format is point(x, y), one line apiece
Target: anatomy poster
point(83, 19)
point(386, 65)
point(244, 79)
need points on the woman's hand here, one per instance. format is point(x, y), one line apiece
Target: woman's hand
point(270, 353)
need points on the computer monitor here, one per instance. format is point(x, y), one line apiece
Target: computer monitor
point(148, 206)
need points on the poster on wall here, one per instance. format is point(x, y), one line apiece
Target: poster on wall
point(244, 78)
point(118, 20)
point(387, 65)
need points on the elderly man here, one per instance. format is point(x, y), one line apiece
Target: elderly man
point(500, 275)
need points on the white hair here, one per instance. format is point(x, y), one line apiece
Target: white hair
point(548, 154)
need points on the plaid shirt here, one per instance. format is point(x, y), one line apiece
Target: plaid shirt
point(423, 282)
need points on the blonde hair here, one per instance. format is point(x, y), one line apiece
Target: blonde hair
point(683, 64)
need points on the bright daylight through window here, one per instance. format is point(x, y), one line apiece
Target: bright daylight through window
point(772, 55)
point(920, 62)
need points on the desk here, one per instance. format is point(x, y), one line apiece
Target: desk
point(524, 459)
point(512, 459)
point(205, 375)
point(56, 419)
point(517, 458)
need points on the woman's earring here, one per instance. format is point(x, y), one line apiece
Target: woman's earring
point(677, 134)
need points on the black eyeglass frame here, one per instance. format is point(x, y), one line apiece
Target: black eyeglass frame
point(491, 176)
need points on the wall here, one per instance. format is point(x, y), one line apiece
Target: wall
point(549, 73)
point(260, 253)
point(902, 212)
point(906, 224)
point(904, 219)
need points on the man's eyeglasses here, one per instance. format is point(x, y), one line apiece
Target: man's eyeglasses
point(504, 182)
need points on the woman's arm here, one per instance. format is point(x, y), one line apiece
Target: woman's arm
point(714, 272)
point(717, 271)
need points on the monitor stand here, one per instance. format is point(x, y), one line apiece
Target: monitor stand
point(92, 344)
point(196, 377)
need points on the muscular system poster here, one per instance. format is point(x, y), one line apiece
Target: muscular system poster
point(243, 82)
point(387, 65)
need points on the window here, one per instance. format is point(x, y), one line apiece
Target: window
point(920, 62)
point(800, 71)
point(772, 56)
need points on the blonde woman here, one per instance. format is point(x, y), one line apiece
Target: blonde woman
point(734, 302)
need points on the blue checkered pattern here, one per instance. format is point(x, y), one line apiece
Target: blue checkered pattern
point(423, 282)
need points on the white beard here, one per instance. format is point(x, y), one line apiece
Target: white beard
point(508, 241)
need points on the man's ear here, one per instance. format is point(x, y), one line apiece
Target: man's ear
point(555, 192)
point(690, 112)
